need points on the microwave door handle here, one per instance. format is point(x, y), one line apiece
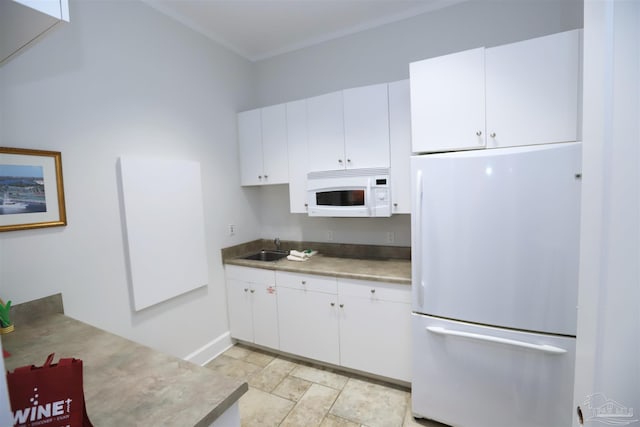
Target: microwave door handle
point(368, 202)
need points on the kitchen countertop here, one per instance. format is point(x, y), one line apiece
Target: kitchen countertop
point(125, 383)
point(392, 270)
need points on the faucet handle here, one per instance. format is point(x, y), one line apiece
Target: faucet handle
point(276, 242)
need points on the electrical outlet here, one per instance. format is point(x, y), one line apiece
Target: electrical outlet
point(329, 235)
point(391, 237)
point(232, 229)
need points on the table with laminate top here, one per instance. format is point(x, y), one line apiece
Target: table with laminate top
point(125, 383)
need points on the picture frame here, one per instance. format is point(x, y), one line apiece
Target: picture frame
point(31, 189)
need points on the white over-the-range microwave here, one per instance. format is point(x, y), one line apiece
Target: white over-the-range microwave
point(349, 193)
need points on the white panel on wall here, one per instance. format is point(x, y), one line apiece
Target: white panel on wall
point(165, 228)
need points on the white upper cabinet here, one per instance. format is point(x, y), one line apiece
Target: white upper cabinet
point(298, 155)
point(262, 141)
point(366, 127)
point(325, 121)
point(532, 91)
point(447, 102)
point(23, 21)
point(518, 94)
point(274, 144)
point(400, 142)
point(349, 129)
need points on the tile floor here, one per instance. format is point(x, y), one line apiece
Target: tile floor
point(288, 392)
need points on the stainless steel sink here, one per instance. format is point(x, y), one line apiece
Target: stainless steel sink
point(267, 255)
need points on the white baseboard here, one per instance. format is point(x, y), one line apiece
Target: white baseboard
point(211, 350)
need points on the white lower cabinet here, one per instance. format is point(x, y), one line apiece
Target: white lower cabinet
point(357, 324)
point(253, 310)
point(308, 316)
point(375, 327)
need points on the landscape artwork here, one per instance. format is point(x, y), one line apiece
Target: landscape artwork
point(22, 189)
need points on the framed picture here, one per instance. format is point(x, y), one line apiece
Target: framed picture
point(31, 190)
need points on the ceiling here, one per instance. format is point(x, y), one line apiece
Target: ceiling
point(259, 29)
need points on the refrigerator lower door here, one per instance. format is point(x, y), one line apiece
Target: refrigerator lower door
point(468, 375)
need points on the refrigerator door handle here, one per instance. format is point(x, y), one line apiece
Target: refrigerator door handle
point(540, 347)
point(417, 245)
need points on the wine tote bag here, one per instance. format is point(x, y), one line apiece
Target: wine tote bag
point(50, 395)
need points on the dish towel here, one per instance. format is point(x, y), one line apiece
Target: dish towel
point(300, 256)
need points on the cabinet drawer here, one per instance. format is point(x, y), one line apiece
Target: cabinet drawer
point(249, 274)
point(375, 290)
point(308, 282)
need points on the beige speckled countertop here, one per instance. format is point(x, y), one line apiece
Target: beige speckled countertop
point(125, 383)
point(376, 268)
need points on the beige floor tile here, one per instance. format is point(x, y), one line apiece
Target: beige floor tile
point(258, 408)
point(237, 352)
point(333, 421)
point(259, 358)
point(371, 404)
point(272, 375)
point(234, 368)
point(320, 376)
point(292, 388)
point(312, 407)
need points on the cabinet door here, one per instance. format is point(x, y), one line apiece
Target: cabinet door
point(447, 102)
point(297, 145)
point(366, 127)
point(265, 315)
point(326, 132)
point(400, 144)
point(240, 313)
point(274, 145)
point(532, 91)
point(308, 323)
point(375, 328)
point(250, 147)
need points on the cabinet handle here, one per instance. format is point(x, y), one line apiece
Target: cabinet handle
point(479, 133)
point(341, 305)
point(492, 135)
point(373, 291)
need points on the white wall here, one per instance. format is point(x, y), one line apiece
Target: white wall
point(608, 350)
point(122, 79)
point(382, 55)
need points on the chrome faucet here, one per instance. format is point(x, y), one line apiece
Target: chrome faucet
point(276, 241)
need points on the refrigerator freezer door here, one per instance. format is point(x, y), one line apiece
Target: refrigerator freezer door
point(496, 236)
point(476, 376)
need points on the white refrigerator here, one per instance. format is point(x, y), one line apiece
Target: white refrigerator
point(495, 249)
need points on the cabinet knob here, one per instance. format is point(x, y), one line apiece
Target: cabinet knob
point(246, 289)
point(348, 160)
point(395, 205)
point(339, 160)
point(492, 134)
point(266, 176)
point(341, 305)
point(479, 133)
point(373, 291)
point(304, 282)
point(253, 290)
point(333, 304)
point(306, 205)
point(259, 176)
